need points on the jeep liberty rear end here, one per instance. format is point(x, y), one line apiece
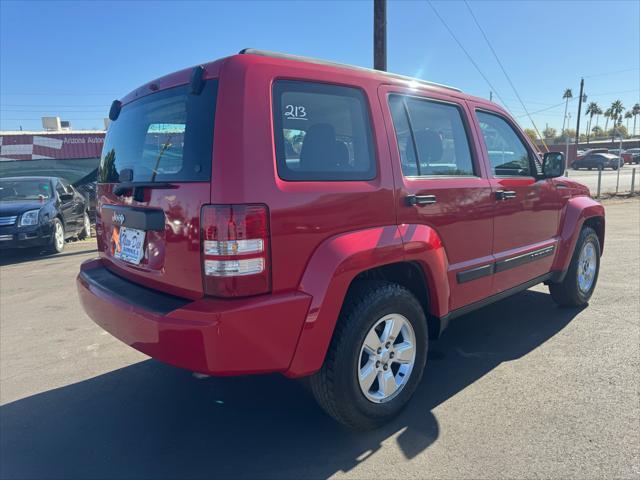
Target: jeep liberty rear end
point(269, 213)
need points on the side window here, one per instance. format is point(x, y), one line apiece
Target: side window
point(431, 137)
point(322, 132)
point(60, 188)
point(404, 137)
point(508, 154)
point(66, 185)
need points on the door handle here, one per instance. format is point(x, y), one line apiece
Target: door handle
point(505, 194)
point(412, 200)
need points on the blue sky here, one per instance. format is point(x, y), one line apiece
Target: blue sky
point(73, 58)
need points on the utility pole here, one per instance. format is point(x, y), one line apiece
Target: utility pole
point(380, 35)
point(580, 98)
point(490, 95)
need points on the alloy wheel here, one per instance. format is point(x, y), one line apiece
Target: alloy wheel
point(587, 264)
point(59, 236)
point(387, 357)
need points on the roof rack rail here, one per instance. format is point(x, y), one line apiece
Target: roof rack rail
point(267, 53)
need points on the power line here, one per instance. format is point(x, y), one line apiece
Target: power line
point(611, 73)
point(502, 68)
point(467, 53)
point(614, 93)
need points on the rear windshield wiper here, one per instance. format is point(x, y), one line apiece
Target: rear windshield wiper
point(138, 188)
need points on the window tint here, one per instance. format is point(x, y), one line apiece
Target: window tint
point(67, 186)
point(60, 188)
point(508, 154)
point(24, 189)
point(408, 158)
point(165, 136)
point(437, 133)
point(322, 132)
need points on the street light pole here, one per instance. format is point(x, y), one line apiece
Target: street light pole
point(380, 35)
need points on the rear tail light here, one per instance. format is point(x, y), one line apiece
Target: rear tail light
point(235, 250)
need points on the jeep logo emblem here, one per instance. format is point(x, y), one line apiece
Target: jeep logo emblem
point(118, 218)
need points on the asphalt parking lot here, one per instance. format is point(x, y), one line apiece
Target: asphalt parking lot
point(520, 389)
point(609, 179)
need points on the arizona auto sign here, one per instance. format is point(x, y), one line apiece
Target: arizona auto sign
point(18, 146)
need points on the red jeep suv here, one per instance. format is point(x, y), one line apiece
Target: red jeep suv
point(271, 213)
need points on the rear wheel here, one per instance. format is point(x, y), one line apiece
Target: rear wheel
point(57, 237)
point(86, 227)
point(580, 281)
point(376, 357)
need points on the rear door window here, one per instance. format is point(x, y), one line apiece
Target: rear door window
point(431, 137)
point(165, 136)
point(322, 132)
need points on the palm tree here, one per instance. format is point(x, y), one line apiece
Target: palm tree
point(567, 95)
point(635, 111)
point(592, 109)
point(628, 115)
point(616, 112)
point(616, 115)
point(607, 115)
point(598, 113)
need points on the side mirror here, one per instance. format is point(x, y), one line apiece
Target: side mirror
point(66, 197)
point(553, 165)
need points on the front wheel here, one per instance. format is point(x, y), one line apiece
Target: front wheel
point(580, 281)
point(57, 237)
point(376, 358)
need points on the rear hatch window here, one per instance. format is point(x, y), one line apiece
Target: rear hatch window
point(165, 136)
point(153, 179)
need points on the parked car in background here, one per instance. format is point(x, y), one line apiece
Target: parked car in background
point(269, 213)
point(626, 157)
point(598, 161)
point(635, 154)
point(41, 212)
point(593, 150)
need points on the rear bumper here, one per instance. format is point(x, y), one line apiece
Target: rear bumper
point(212, 336)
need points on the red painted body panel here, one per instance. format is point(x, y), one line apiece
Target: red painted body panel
point(574, 213)
point(338, 260)
point(323, 234)
point(173, 262)
point(221, 337)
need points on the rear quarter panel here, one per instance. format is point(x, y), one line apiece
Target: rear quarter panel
point(302, 214)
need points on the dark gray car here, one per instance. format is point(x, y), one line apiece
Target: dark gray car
point(599, 161)
point(41, 212)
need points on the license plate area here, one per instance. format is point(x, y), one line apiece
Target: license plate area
point(128, 244)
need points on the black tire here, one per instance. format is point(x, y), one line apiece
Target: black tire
point(575, 167)
point(568, 293)
point(86, 228)
point(615, 167)
point(56, 246)
point(336, 386)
